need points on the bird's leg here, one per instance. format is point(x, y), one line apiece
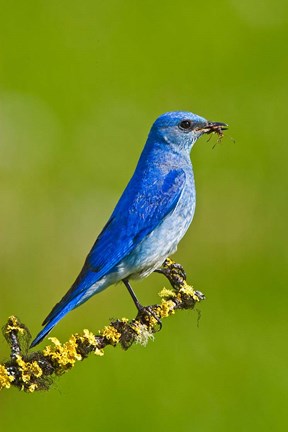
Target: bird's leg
point(133, 295)
point(138, 305)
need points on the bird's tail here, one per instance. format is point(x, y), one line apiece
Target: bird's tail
point(53, 318)
point(79, 293)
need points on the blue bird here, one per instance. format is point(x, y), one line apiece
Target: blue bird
point(151, 217)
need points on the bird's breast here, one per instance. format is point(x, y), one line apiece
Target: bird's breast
point(163, 240)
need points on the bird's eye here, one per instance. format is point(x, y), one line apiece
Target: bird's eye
point(186, 125)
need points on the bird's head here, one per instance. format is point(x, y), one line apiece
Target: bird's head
point(180, 129)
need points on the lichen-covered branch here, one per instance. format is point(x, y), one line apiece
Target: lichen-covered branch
point(33, 371)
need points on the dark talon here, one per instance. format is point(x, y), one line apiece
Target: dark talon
point(149, 311)
point(174, 272)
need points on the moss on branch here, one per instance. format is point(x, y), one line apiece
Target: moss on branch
point(34, 371)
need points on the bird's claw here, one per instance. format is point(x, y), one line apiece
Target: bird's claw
point(174, 272)
point(148, 310)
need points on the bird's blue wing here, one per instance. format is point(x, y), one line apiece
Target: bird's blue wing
point(133, 219)
point(141, 208)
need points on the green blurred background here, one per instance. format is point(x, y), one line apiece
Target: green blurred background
point(80, 84)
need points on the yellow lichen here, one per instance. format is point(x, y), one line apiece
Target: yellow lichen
point(36, 369)
point(28, 370)
point(135, 326)
point(167, 308)
point(169, 262)
point(99, 352)
point(5, 378)
point(111, 334)
point(55, 341)
point(165, 292)
point(89, 337)
point(151, 321)
point(66, 354)
point(14, 326)
point(188, 290)
point(32, 388)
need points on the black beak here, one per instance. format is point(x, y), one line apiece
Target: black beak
point(216, 127)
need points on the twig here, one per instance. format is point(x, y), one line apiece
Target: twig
point(35, 371)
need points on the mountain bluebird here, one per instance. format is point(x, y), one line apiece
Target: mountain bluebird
point(151, 217)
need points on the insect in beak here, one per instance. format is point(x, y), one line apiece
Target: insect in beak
point(214, 127)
